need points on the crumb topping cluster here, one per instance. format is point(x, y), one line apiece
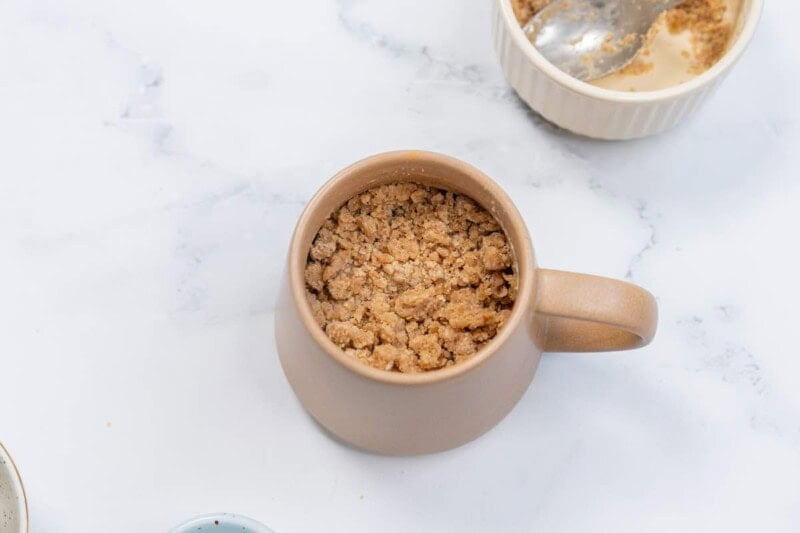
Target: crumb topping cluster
point(410, 278)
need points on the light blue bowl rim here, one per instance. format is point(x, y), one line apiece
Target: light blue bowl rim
point(206, 521)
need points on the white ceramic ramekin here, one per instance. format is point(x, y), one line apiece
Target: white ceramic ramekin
point(602, 113)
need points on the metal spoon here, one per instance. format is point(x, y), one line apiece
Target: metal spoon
point(589, 39)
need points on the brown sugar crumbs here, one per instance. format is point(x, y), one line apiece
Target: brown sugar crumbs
point(525, 9)
point(410, 278)
point(704, 19)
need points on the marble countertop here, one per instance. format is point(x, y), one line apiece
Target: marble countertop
point(155, 157)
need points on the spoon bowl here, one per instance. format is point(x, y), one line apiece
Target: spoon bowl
point(590, 39)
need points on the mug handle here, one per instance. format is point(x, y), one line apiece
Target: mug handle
point(587, 313)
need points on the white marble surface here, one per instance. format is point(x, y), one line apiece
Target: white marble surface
point(155, 156)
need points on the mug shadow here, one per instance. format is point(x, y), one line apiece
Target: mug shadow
point(587, 382)
point(567, 422)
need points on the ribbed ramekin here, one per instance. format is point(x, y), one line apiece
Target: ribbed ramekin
point(603, 113)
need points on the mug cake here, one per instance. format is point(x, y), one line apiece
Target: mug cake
point(406, 277)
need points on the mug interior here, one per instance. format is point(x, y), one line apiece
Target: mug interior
point(426, 168)
point(749, 13)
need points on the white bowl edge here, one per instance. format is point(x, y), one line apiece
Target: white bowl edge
point(15, 500)
point(595, 111)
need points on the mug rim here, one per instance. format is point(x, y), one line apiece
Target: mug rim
point(524, 257)
point(538, 61)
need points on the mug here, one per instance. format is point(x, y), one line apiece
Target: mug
point(405, 414)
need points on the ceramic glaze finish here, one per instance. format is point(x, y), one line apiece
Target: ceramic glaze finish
point(13, 506)
point(155, 158)
point(396, 419)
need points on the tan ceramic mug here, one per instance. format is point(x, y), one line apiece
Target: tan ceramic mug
point(395, 413)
